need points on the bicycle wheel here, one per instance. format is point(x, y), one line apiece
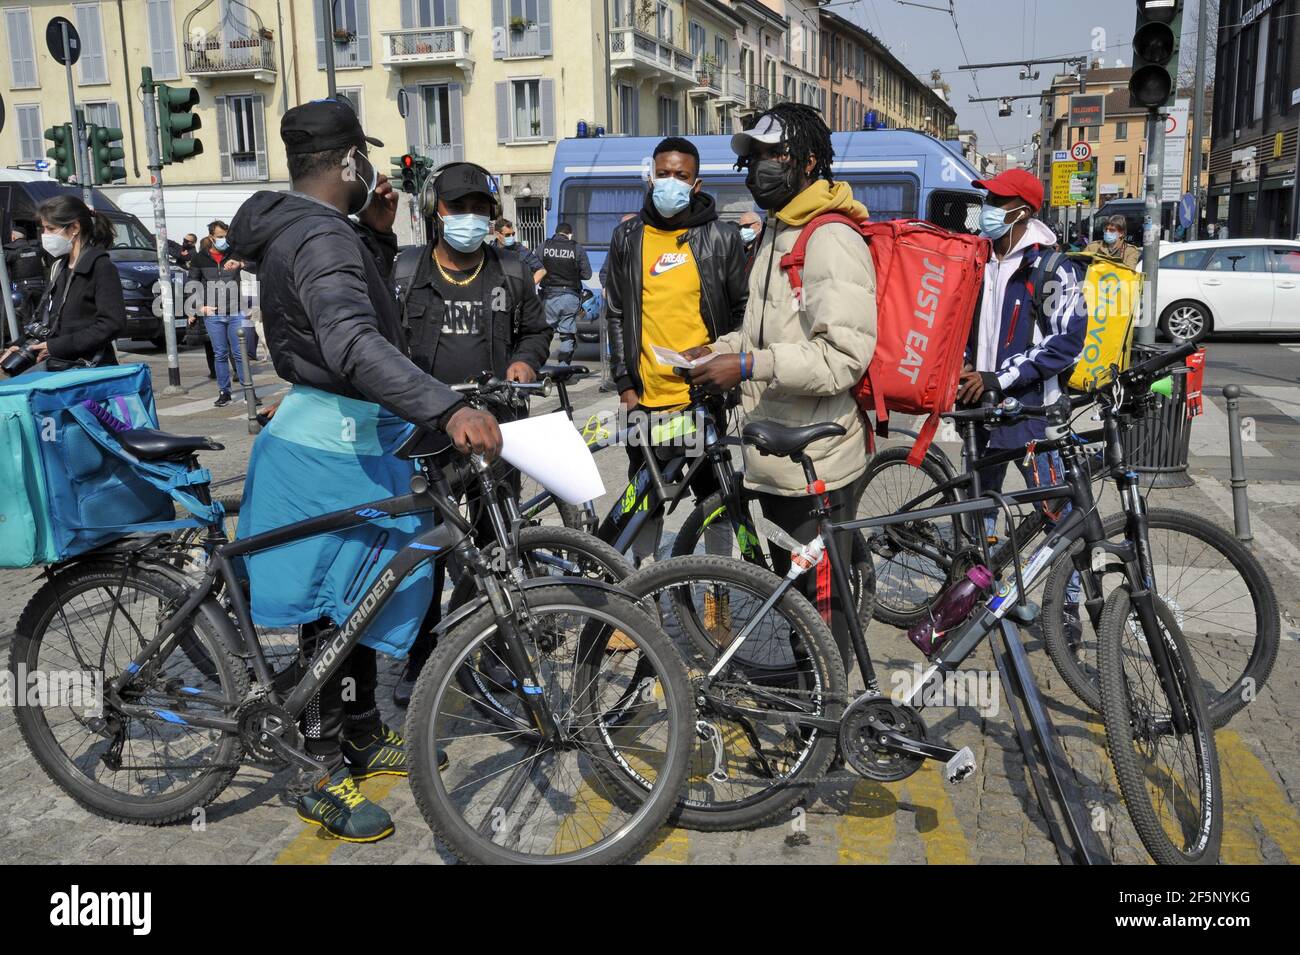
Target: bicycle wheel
point(533, 509)
point(79, 632)
point(545, 551)
point(908, 582)
point(1217, 590)
point(708, 531)
point(1169, 780)
point(751, 766)
point(513, 796)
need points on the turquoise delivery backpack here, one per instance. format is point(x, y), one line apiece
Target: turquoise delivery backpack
point(66, 485)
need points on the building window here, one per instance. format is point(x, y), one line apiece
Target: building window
point(627, 111)
point(162, 40)
point(31, 136)
point(92, 67)
point(668, 116)
point(352, 34)
point(1094, 134)
point(1121, 165)
point(22, 49)
point(697, 37)
point(835, 111)
point(353, 95)
point(244, 139)
point(434, 13)
point(664, 22)
point(102, 114)
point(1121, 131)
point(527, 109)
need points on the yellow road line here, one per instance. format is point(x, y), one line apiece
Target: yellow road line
point(867, 829)
point(1251, 792)
point(945, 841)
point(314, 846)
point(674, 847)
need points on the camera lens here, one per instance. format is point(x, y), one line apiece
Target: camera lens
point(18, 362)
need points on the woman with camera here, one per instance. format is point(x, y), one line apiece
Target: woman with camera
point(81, 312)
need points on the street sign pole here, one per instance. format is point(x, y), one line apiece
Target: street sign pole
point(1198, 117)
point(1146, 330)
point(166, 287)
point(328, 20)
point(78, 127)
point(11, 319)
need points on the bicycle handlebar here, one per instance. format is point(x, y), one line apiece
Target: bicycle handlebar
point(495, 386)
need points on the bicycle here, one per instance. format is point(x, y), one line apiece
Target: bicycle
point(170, 732)
point(790, 686)
point(1220, 592)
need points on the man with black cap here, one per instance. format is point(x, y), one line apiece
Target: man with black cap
point(333, 331)
point(469, 307)
point(567, 266)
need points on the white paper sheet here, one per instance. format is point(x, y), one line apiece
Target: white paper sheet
point(667, 356)
point(550, 450)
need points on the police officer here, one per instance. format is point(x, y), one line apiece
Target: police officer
point(26, 260)
point(504, 231)
point(566, 266)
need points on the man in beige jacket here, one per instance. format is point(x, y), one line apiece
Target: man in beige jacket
point(797, 362)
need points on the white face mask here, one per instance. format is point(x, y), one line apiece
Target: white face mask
point(56, 244)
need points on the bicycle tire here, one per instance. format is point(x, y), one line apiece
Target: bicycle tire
point(1135, 774)
point(862, 576)
point(209, 622)
point(660, 582)
point(571, 515)
point(908, 584)
point(1229, 687)
point(437, 680)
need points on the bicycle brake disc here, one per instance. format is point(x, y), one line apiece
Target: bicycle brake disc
point(860, 738)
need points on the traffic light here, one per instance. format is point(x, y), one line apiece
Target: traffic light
point(175, 119)
point(1089, 180)
point(407, 170)
point(62, 152)
point(105, 151)
point(1155, 53)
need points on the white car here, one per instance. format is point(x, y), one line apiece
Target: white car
point(1228, 285)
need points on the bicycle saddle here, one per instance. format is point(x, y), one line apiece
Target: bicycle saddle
point(772, 438)
point(150, 445)
point(559, 373)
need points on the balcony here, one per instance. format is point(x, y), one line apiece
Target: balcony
point(210, 57)
point(429, 46)
point(644, 55)
point(722, 86)
point(757, 98)
point(522, 42)
point(442, 153)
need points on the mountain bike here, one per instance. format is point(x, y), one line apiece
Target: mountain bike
point(187, 692)
point(772, 698)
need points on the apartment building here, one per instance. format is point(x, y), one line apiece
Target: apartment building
point(861, 77)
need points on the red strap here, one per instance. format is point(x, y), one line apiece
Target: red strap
point(792, 262)
point(824, 588)
point(924, 438)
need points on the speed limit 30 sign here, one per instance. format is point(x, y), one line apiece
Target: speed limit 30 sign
point(1081, 151)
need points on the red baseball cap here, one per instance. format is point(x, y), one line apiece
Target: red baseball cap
point(1015, 182)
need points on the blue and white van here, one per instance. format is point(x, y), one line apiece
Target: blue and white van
point(897, 174)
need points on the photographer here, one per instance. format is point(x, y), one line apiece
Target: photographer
point(81, 312)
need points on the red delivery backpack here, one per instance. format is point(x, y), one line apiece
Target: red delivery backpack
point(928, 282)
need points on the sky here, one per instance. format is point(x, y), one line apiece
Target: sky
point(997, 31)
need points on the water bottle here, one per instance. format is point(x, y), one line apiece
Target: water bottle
point(952, 608)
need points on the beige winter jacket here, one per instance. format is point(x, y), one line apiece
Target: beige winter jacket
point(807, 360)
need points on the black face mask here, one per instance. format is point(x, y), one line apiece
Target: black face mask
point(772, 183)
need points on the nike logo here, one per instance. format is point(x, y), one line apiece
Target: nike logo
point(669, 261)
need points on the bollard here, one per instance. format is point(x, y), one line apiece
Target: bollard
point(1240, 506)
point(250, 395)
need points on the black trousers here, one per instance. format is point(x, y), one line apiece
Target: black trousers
point(347, 697)
point(794, 516)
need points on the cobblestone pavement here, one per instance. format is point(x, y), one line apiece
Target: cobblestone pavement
point(991, 818)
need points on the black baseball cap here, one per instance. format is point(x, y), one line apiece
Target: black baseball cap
point(322, 125)
point(464, 179)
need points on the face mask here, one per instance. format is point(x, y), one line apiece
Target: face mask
point(746, 234)
point(671, 196)
point(371, 181)
point(993, 222)
point(508, 241)
point(56, 244)
point(772, 183)
point(465, 233)
point(1110, 237)
point(222, 244)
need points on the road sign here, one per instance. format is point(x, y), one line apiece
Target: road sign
point(403, 103)
point(1171, 186)
point(54, 40)
point(1060, 155)
point(1186, 209)
point(1081, 151)
point(1068, 186)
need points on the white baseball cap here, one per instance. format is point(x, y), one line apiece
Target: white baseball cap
point(768, 131)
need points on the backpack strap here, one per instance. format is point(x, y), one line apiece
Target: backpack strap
point(405, 266)
point(792, 262)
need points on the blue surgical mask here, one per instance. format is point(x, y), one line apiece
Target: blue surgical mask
point(222, 244)
point(993, 222)
point(747, 234)
point(671, 196)
point(1110, 238)
point(465, 233)
point(509, 240)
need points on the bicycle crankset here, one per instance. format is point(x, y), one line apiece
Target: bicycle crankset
point(866, 730)
point(266, 730)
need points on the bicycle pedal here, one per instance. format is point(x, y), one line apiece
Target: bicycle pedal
point(960, 766)
point(1026, 614)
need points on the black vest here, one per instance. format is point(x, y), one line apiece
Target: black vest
point(560, 258)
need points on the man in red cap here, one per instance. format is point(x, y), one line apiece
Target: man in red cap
point(1030, 328)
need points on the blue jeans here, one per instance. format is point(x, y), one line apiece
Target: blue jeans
point(223, 332)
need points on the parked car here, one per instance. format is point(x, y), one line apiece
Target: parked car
point(1230, 285)
point(135, 254)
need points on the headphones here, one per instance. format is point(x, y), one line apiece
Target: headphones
point(429, 194)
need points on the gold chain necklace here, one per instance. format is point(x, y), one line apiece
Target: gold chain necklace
point(459, 282)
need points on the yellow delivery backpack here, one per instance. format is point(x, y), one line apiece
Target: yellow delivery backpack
point(1112, 291)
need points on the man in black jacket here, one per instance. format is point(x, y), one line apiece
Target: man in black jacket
point(676, 279)
point(27, 263)
point(506, 238)
point(216, 299)
point(567, 266)
point(333, 329)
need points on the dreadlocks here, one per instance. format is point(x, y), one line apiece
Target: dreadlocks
point(806, 135)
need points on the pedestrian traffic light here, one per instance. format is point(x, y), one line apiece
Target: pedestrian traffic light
point(1155, 52)
point(105, 151)
point(175, 119)
point(63, 152)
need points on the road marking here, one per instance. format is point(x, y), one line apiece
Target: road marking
point(674, 847)
point(1285, 552)
point(314, 846)
point(1285, 398)
point(1209, 436)
point(868, 829)
point(1251, 792)
point(945, 841)
point(206, 404)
